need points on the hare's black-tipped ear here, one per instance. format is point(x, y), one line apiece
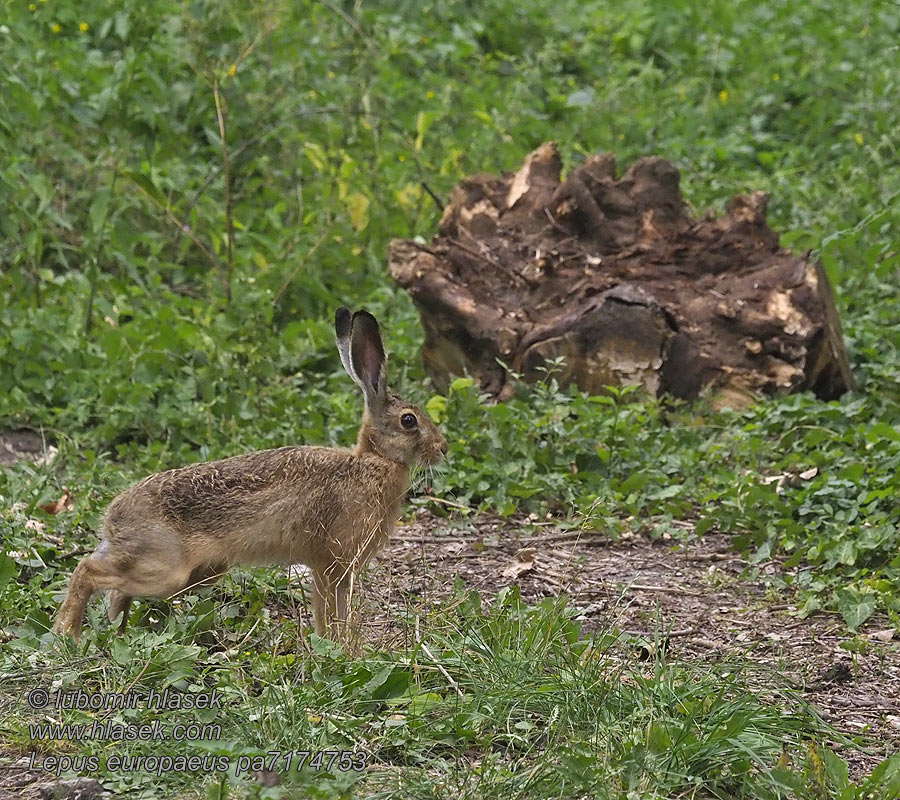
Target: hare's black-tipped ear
point(367, 358)
point(343, 320)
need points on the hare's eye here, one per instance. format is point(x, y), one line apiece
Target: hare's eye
point(409, 421)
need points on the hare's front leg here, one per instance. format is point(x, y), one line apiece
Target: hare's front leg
point(323, 601)
point(330, 601)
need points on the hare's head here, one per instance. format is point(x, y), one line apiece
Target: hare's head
point(392, 428)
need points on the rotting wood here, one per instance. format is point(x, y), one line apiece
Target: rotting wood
point(613, 276)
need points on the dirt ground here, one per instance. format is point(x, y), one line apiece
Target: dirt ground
point(17, 445)
point(697, 591)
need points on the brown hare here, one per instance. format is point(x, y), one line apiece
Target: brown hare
point(327, 508)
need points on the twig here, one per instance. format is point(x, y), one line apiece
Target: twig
point(138, 677)
point(95, 261)
point(568, 536)
point(476, 554)
point(643, 587)
point(437, 200)
point(476, 254)
point(448, 503)
point(662, 634)
point(229, 220)
point(299, 266)
point(555, 224)
point(429, 539)
point(709, 644)
point(347, 18)
point(74, 553)
point(440, 667)
point(711, 557)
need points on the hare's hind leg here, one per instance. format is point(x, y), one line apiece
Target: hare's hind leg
point(149, 563)
point(92, 574)
point(119, 603)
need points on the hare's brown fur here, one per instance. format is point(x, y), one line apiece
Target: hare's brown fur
point(328, 508)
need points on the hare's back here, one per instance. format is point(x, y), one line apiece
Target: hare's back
point(219, 495)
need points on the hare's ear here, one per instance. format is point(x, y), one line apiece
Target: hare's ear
point(367, 358)
point(343, 320)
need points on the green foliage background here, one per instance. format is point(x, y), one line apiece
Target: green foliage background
point(140, 329)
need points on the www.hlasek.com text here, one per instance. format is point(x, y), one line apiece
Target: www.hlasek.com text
point(117, 732)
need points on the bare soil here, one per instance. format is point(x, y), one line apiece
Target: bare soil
point(20, 445)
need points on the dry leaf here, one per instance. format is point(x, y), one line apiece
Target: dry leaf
point(524, 562)
point(809, 474)
point(882, 636)
point(34, 525)
point(65, 503)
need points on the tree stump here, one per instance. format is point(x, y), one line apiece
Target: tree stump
point(616, 278)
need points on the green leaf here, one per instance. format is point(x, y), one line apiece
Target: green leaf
point(459, 384)
point(143, 182)
point(424, 120)
point(98, 209)
point(437, 408)
point(846, 552)
point(836, 769)
point(358, 208)
point(7, 569)
point(855, 606)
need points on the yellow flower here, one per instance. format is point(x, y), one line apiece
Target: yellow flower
point(429, 95)
point(83, 26)
point(776, 77)
point(723, 96)
point(32, 7)
point(858, 138)
point(56, 27)
point(232, 70)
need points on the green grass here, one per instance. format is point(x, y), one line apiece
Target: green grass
point(151, 315)
point(506, 700)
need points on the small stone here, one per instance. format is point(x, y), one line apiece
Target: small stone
point(78, 789)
